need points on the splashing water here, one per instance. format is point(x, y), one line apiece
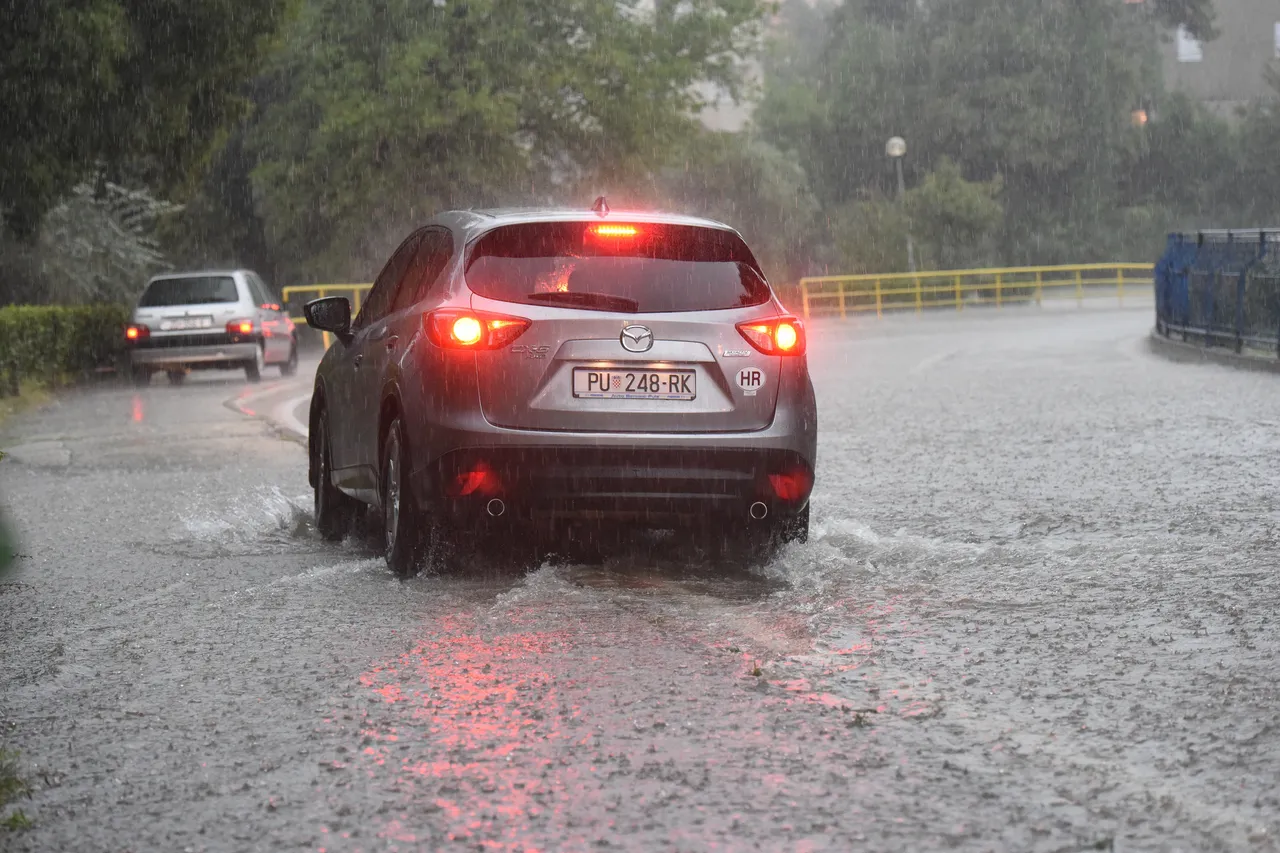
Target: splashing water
point(261, 522)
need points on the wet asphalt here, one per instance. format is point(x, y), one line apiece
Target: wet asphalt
point(1038, 612)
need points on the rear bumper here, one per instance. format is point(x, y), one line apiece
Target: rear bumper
point(658, 487)
point(210, 355)
point(658, 479)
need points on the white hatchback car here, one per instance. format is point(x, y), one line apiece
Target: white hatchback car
point(210, 319)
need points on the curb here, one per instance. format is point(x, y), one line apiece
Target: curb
point(278, 416)
point(1186, 352)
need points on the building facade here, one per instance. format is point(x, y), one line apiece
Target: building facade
point(1229, 71)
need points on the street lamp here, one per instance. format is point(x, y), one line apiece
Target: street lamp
point(896, 148)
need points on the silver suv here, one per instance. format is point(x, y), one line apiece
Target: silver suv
point(514, 372)
point(212, 319)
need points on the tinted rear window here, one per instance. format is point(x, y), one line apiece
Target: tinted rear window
point(660, 268)
point(197, 290)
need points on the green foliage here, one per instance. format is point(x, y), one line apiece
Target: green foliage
point(8, 551)
point(55, 341)
point(870, 236)
point(12, 788)
point(95, 245)
point(140, 88)
point(1037, 94)
point(953, 220)
point(376, 114)
point(1018, 118)
point(753, 186)
point(1256, 184)
point(1196, 15)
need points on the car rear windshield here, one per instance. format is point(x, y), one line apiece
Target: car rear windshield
point(615, 266)
point(196, 290)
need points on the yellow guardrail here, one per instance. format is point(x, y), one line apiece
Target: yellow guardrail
point(842, 295)
point(306, 292)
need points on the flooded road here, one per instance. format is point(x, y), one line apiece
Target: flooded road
point(1038, 612)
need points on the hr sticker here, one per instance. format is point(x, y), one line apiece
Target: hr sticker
point(750, 380)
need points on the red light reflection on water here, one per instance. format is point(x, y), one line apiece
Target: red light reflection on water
point(879, 624)
point(484, 739)
point(477, 720)
point(138, 412)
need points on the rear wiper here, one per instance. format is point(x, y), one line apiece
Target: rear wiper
point(599, 301)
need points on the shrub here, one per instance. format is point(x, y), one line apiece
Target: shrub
point(58, 341)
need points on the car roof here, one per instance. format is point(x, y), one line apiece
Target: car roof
point(473, 223)
point(195, 273)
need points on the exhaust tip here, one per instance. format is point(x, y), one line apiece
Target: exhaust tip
point(759, 511)
point(495, 508)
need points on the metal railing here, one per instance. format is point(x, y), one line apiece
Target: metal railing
point(1221, 289)
point(842, 295)
point(295, 297)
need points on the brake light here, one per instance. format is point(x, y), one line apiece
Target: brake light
point(480, 480)
point(137, 332)
point(775, 336)
point(240, 327)
point(466, 331)
point(473, 330)
point(786, 337)
point(792, 486)
point(615, 232)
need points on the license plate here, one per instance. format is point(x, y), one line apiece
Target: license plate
point(634, 384)
point(180, 323)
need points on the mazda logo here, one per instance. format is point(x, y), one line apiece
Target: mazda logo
point(636, 339)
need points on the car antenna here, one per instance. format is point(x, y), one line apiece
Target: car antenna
point(601, 207)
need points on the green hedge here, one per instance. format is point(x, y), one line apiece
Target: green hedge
point(56, 341)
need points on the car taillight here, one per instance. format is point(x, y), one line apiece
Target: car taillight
point(793, 485)
point(240, 328)
point(137, 332)
point(775, 336)
point(474, 330)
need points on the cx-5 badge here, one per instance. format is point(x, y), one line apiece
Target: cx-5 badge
point(636, 339)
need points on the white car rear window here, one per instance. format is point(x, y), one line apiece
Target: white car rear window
point(196, 290)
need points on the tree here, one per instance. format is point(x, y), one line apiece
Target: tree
point(376, 114)
point(96, 245)
point(1187, 158)
point(953, 220)
point(1039, 95)
point(757, 189)
point(134, 89)
point(1196, 15)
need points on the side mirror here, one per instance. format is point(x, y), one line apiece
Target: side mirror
point(330, 314)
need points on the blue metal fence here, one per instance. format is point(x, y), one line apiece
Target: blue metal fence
point(1221, 289)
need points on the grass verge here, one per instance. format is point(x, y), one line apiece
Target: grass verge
point(12, 788)
point(31, 394)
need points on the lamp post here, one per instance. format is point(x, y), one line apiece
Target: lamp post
point(896, 148)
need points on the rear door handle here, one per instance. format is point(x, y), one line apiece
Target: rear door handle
point(355, 361)
point(391, 342)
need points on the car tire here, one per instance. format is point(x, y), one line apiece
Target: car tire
point(402, 538)
point(334, 510)
point(253, 369)
point(290, 367)
point(176, 377)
